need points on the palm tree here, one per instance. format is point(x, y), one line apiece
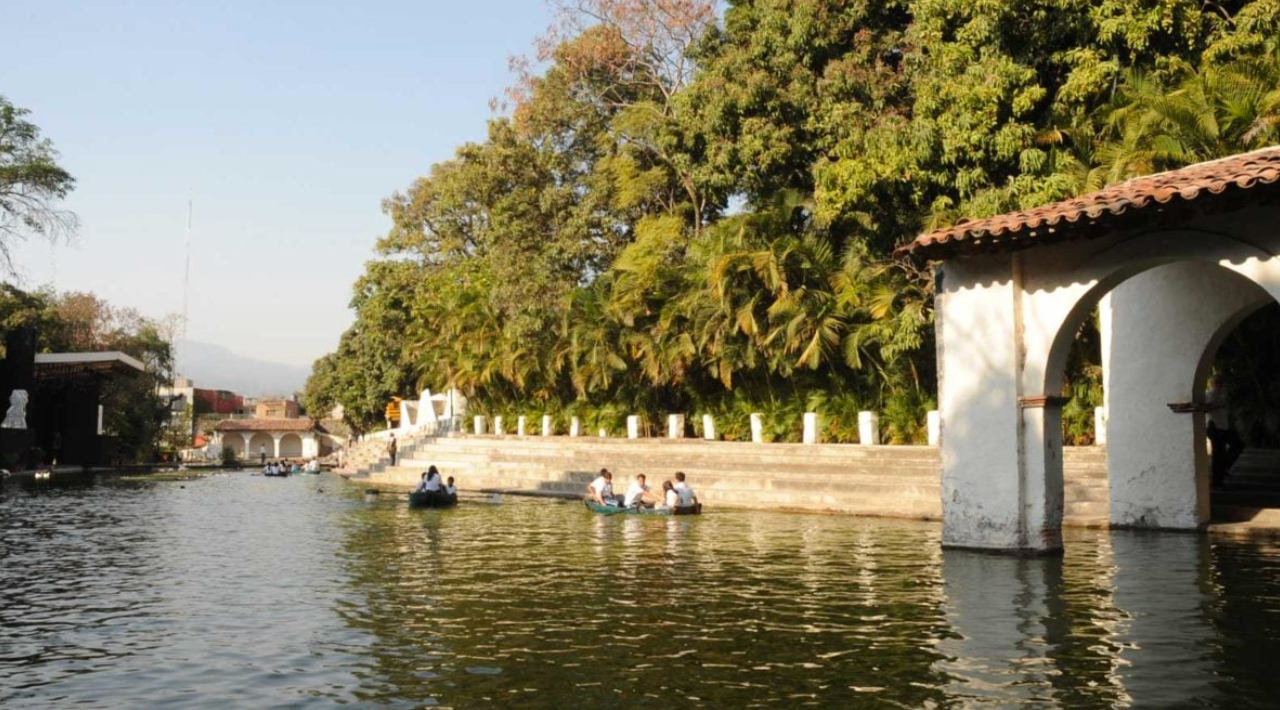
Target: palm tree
point(1199, 114)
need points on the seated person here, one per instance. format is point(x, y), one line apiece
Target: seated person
point(670, 499)
point(269, 469)
point(601, 489)
point(450, 488)
point(682, 489)
point(430, 481)
point(638, 494)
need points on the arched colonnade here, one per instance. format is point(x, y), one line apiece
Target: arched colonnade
point(1172, 263)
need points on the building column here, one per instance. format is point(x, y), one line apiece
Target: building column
point(276, 446)
point(1001, 448)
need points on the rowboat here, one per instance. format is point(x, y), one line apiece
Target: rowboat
point(695, 509)
point(431, 499)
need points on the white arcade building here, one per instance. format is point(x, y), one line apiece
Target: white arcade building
point(274, 438)
point(1173, 262)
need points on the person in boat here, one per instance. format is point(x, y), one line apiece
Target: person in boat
point(451, 489)
point(685, 493)
point(638, 494)
point(430, 481)
point(670, 499)
point(601, 489)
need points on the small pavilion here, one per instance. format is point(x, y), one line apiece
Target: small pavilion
point(277, 438)
point(1173, 262)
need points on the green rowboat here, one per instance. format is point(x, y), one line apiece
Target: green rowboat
point(695, 509)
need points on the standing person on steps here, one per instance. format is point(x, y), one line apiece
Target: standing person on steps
point(391, 449)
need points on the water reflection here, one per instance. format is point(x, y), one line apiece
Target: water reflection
point(243, 591)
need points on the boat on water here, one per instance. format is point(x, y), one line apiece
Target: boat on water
point(431, 499)
point(695, 509)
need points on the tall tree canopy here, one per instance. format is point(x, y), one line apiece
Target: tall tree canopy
point(31, 184)
point(691, 212)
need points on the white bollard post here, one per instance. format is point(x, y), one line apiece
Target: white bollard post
point(868, 428)
point(633, 426)
point(675, 426)
point(546, 425)
point(934, 421)
point(757, 428)
point(575, 427)
point(520, 425)
point(810, 427)
point(708, 427)
point(604, 433)
point(497, 426)
point(478, 425)
point(1100, 426)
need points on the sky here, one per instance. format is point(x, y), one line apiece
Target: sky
point(285, 123)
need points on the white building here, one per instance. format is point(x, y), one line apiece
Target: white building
point(1173, 262)
point(273, 438)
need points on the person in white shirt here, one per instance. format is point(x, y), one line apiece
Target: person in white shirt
point(450, 488)
point(638, 494)
point(601, 489)
point(682, 489)
point(670, 499)
point(430, 481)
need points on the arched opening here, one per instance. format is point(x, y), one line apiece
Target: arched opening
point(235, 442)
point(262, 445)
point(1160, 328)
point(1241, 368)
point(291, 446)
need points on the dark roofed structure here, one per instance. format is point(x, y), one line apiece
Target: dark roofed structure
point(1216, 184)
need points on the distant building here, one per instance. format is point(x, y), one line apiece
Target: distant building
point(277, 409)
point(271, 438)
point(224, 402)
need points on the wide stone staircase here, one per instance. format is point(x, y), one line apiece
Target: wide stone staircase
point(895, 481)
point(369, 457)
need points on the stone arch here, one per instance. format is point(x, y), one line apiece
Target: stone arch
point(1096, 268)
point(261, 439)
point(235, 441)
point(1006, 323)
point(1168, 318)
point(290, 446)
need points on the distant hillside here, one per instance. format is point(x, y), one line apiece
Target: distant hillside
point(215, 367)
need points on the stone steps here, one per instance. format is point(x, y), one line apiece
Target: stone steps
point(897, 481)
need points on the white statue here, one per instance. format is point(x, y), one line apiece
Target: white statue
point(16, 417)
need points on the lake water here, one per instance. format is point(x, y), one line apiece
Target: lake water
point(238, 591)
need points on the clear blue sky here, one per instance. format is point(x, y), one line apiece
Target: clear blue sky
point(288, 123)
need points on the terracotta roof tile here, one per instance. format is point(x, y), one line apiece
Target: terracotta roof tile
point(303, 424)
point(1069, 218)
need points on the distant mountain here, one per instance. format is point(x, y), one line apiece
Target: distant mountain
point(215, 367)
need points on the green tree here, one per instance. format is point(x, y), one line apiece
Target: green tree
point(31, 184)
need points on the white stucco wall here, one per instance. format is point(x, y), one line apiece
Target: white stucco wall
point(1005, 325)
point(978, 399)
point(1165, 323)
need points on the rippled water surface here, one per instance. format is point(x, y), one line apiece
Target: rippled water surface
point(238, 591)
